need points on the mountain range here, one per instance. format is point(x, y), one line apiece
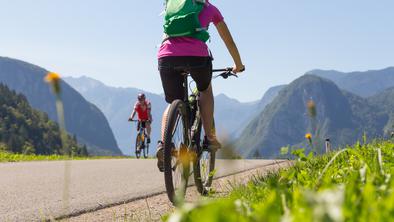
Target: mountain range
point(364, 84)
point(83, 119)
point(347, 105)
point(346, 108)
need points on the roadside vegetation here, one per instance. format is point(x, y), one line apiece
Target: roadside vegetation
point(352, 184)
point(12, 157)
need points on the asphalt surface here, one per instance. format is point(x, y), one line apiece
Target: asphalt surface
point(32, 191)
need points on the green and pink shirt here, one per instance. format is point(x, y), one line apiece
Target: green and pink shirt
point(188, 46)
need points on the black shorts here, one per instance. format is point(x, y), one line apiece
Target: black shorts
point(171, 76)
point(142, 124)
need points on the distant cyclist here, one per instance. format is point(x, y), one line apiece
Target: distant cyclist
point(192, 51)
point(143, 108)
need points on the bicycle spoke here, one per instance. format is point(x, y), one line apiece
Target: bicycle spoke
point(178, 138)
point(176, 124)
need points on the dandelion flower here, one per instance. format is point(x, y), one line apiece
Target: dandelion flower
point(54, 80)
point(52, 77)
point(184, 156)
point(311, 106)
point(308, 136)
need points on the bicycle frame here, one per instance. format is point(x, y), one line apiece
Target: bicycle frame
point(192, 115)
point(142, 133)
point(193, 107)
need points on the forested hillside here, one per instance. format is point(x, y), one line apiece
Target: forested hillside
point(28, 131)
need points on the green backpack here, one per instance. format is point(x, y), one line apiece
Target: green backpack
point(181, 19)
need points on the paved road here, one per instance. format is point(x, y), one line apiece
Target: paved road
point(34, 190)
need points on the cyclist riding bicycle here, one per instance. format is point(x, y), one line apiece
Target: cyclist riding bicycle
point(193, 53)
point(143, 108)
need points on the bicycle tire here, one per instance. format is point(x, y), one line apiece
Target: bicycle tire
point(137, 144)
point(176, 115)
point(146, 151)
point(203, 174)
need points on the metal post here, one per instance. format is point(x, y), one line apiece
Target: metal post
point(328, 145)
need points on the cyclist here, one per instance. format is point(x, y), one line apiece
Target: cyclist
point(143, 108)
point(194, 53)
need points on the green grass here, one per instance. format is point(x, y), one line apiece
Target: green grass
point(10, 157)
point(354, 184)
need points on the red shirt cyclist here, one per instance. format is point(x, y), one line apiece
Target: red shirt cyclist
point(143, 108)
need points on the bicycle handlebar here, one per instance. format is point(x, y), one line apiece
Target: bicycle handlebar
point(228, 69)
point(227, 72)
point(136, 121)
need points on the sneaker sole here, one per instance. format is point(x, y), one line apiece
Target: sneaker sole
point(160, 160)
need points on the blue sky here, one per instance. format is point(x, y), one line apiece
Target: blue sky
point(116, 41)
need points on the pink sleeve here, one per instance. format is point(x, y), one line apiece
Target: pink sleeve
point(217, 16)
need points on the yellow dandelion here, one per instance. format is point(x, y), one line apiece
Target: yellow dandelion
point(184, 156)
point(53, 79)
point(308, 136)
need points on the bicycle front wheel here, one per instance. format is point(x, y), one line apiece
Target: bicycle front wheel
point(138, 146)
point(146, 151)
point(176, 156)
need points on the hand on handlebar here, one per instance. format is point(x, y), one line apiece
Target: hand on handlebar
point(238, 68)
point(131, 120)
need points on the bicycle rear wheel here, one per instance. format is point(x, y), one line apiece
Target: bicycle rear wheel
point(204, 165)
point(138, 146)
point(176, 161)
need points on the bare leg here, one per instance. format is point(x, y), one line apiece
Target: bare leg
point(207, 109)
point(148, 129)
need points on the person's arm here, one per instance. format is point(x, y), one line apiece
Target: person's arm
point(228, 40)
point(132, 115)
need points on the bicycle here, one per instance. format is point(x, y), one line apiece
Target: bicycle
point(140, 142)
point(183, 144)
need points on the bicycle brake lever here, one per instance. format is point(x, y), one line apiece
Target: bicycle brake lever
point(232, 74)
point(225, 75)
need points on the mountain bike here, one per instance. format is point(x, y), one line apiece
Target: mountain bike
point(140, 142)
point(183, 143)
